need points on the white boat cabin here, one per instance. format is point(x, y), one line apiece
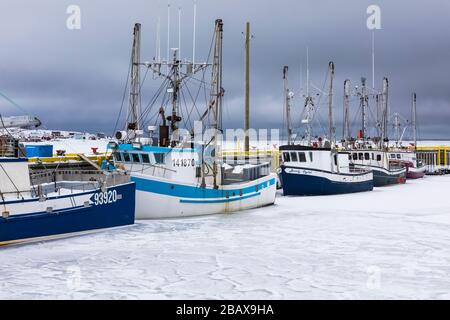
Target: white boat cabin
point(323, 159)
point(177, 164)
point(372, 158)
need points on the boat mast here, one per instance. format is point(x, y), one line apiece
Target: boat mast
point(175, 81)
point(288, 96)
point(414, 117)
point(247, 87)
point(384, 97)
point(346, 127)
point(168, 35)
point(179, 32)
point(194, 33)
point(216, 95)
point(364, 100)
point(330, 105)
point(309, 103)
point(133, 106)
point(158, 40)
point(379, 119)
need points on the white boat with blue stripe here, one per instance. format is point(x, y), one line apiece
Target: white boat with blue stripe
point(169, 183)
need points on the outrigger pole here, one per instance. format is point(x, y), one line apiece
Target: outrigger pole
point(134, 102)
point(363, 101)
point(287, 94)
point(385, 92)
point(216, 96)
point(330, 105)
point(247, 87)
point(346, 126)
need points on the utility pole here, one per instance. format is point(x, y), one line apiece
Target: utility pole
point(330, 104)
point(414, 117)
point(247, 87)
point(288, 96)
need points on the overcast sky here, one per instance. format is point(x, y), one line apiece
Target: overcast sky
point(74, 79)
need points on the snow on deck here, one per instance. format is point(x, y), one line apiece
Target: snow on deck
point(391, 243)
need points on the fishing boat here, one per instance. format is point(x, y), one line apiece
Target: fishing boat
point(385, 171)
point(415, 168)
point(320, 171)
point(368, 153)
point(407, 157)
point(57, 206)
point(317, 170)
point(182, 175)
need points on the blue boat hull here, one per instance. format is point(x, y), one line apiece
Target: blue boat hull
point(18, 228)
point(309, 185)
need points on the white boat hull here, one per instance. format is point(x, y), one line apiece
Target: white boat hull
point(159, 198)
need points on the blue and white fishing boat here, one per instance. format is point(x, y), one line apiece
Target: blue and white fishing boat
point(317, 170)
point(61, 207)
point(320, 171)
point(179, 176)
point(370, 154)
point(385, 171)
point(169, 183)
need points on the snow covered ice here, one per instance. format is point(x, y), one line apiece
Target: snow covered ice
point(391, 243)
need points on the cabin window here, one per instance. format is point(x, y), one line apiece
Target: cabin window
point(393, 156)
point(311, 156)
point(373, 156)
point(335, 160)
point(360, 156)
point(126, 157)
point(294, 157)
point(160, 158)
point(287, 157)
point(398, 156)
point(145, 158)
point(135, 157)
point(355, 156)
point(117, 156)
point(301, 157)
point(366, 156)
point(378, 157)
point(349, 157)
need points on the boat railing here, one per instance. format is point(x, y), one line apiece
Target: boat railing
point(54, 173)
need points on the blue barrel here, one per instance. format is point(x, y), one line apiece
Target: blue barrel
point(39, 151)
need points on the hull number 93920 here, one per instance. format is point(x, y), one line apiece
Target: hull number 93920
point(105, 197)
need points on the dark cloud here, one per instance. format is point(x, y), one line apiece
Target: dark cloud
point(75, 79)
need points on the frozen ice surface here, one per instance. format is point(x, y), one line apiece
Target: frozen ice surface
point(391, 243)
